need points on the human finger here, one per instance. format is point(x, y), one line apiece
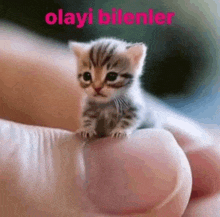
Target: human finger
point(147, 175)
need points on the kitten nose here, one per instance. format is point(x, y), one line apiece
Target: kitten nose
point(98, 89)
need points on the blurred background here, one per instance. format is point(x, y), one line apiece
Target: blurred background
point(182, 66)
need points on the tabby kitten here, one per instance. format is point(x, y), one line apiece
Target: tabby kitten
point(108, 72)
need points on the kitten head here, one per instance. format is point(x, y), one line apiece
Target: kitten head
point(107, 67)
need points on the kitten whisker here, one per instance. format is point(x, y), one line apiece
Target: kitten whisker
point(119, 108)
point(120, 103)
point(116, 105)
point(124, 102)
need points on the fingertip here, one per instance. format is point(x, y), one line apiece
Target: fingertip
point(136, 175)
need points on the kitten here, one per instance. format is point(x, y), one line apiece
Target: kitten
point(108, 72)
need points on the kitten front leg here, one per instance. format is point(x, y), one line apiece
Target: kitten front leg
point(88, 128)
point(128, 123)
point(120, 132)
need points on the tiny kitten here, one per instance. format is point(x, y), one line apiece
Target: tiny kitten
point(108, 72)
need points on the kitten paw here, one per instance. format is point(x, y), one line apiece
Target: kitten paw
point(86, 133)
point(120, 133)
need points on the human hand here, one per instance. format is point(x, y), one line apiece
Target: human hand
point(49, 172)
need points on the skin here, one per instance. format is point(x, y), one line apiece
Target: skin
point(46, 170)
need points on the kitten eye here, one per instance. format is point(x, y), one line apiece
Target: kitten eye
point(87, 76)
point(111, 76)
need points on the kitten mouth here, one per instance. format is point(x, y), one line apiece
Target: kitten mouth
point(99, 95)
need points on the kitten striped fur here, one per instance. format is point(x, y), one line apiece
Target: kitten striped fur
point(108, 72)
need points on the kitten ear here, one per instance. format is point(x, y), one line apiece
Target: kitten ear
point(78, 48)
point(137, 53)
